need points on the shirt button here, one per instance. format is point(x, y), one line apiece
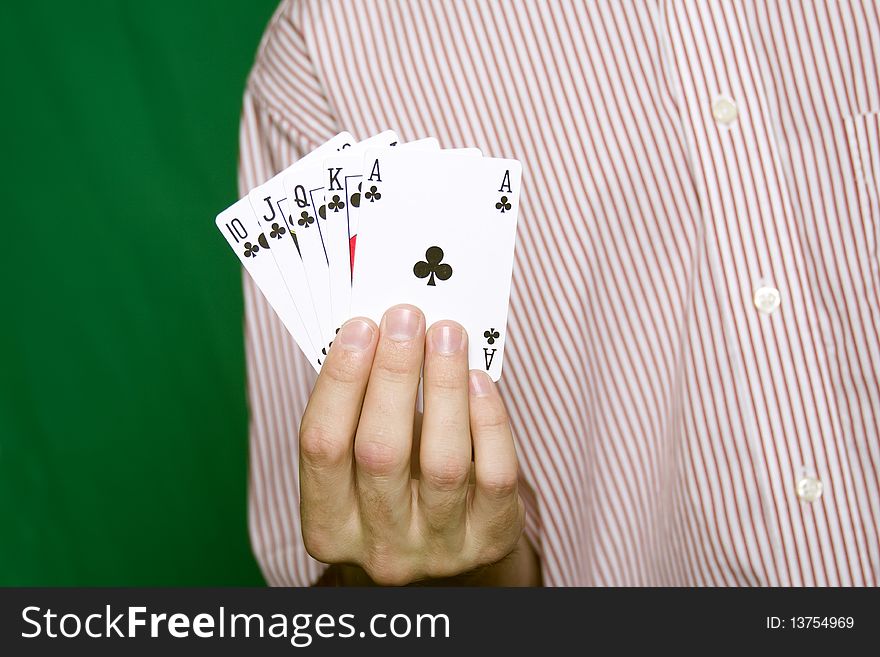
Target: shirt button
point(724, 110)
point(767, 299)
point(809, 489)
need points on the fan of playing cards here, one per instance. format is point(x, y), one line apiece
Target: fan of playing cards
point(435, 228)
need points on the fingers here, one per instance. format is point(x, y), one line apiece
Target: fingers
point(384, 435)
point(445, 452)
point(496, 504)
point(326, 435)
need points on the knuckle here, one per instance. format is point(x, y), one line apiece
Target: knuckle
point(445, 566)
point(317, 545)
point(497, 550)
point(499, 483)
point(445, 376)
point(329, 538)
point(395, 362)
point(320, 445)
point(321, 545)
point(385, 567)
point(377, 455)
point(501, 535)
point(445, 471)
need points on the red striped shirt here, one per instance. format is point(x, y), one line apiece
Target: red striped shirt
point(684, 163)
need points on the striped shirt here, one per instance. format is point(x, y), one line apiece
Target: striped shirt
point(693, 366)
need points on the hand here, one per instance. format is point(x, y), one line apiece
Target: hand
point(360, 502)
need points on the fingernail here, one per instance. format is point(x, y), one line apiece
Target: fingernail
point(355, 334)
point(401, 324)
point(447, 339)
point(480, 384)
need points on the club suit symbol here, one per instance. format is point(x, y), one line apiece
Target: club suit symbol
point(489, 354)
point(373, 194)
point(432, 266)
point(336, 203)
point(251, 249)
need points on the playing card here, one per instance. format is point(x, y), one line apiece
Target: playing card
point(304, 187)
point(342, 194)
point(253, 250)
point(305, 196)
point(428, 144)
point(440, 235)
point(273, 219)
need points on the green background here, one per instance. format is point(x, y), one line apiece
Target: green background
point(123, 424)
